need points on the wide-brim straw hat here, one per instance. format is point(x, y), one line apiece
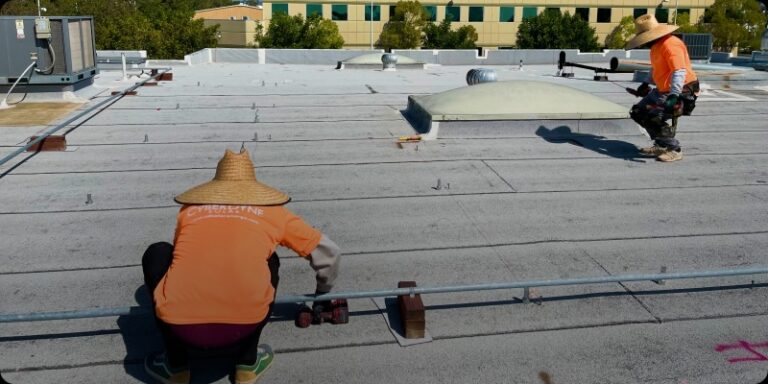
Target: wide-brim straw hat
point(648, 29)
point(234, 184)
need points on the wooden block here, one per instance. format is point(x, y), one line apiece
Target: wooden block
point(168, 76)
point(129, 93)
point(50, 143)
point(150, 84)
point(411, 312)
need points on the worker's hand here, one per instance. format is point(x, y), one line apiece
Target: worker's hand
point(321, 306)
point(672, 104)
point(643, 90)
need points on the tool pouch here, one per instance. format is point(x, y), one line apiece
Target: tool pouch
point(689, 96)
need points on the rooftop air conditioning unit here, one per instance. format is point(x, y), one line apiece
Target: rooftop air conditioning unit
point(63, 45)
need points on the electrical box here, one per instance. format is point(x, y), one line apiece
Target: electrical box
point(43, 28)
point(63, 44)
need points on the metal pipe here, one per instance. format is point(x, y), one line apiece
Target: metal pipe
point(123, 311)
point(53, 130)
point(4, 103)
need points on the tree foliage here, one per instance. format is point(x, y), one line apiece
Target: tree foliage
point(735, 23)
point(620, 35)
point(404, 30)
point(440, 36)
point(296, 32)
point(554, 30)
point(164, 28)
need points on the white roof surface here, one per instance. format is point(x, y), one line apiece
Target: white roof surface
point(514, 204)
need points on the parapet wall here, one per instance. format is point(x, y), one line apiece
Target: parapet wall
point(441, 57)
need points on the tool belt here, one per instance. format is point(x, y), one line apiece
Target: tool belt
point(688, 96)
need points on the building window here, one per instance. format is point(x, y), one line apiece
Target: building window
point(582, 13)
point(232, 18)
point(529, 12)
point(475, 13)
point(662, 15)
point(639, 12)
point(431, 12)
point(682, 11)
point(507, 14)
point(279, 7)
point(245, 18)
point(313, 9)
point(376, 12)
point(453, 12)
point(552, 10)
point(392, 12)
point(339, 12)
point(603, 15)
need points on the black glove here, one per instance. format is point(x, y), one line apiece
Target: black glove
point(643, 90)
point(671, 104)
point(321, 306)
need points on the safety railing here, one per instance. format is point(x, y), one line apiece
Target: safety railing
point(525, 285)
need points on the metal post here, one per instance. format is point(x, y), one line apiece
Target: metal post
point(125, 68)
point(674, 19)
point(370, 26)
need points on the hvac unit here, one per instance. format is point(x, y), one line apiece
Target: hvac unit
point(63, 45)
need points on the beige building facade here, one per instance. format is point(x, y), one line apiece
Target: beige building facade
point(237, 23)
point(496, 21)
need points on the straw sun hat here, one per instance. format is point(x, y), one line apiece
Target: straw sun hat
point(648, 29)
point(234, 184)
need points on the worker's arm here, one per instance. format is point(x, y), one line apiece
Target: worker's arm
point(324, 259)
point(677, 81)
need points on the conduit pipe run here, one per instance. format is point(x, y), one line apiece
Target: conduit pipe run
point(657, 278)
point(111, 99)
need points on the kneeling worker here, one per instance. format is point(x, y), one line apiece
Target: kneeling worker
point(215, 286)
point(676, 87)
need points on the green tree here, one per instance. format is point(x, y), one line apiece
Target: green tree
point(620, 35)
point(554, 30)
point(320, 33)
point(734, 23)
point(404, 29)
point(296, 32)
point(164, 28)
point(683, 20)
point(440, 36)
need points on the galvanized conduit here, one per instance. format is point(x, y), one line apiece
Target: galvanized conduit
point(55, 129)
point(659, 277)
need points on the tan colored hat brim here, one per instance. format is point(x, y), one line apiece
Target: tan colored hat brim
point(233, 193)
point(648, 36)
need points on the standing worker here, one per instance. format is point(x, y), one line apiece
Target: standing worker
point(215, 286)
point(676, 87)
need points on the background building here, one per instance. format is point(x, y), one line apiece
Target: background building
point(496, 22)
point(237, 23)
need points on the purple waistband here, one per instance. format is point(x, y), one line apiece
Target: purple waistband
point(212, 335)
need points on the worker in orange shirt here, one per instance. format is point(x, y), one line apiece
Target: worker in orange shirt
point(215, 286)
point(676, 87)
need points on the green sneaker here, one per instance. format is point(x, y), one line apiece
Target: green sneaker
point(156, 365)
point(248, 374)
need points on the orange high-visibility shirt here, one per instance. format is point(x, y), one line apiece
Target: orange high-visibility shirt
point(668, 55)
point(219, 272)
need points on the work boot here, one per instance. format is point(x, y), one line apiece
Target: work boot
point(157, 366)
point(670, 156)
point(653, 151)
point(248, 374)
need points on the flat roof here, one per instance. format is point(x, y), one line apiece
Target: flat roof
point(496, 202)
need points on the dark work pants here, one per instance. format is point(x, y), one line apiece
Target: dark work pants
point(155, 263)
point(649, 113)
